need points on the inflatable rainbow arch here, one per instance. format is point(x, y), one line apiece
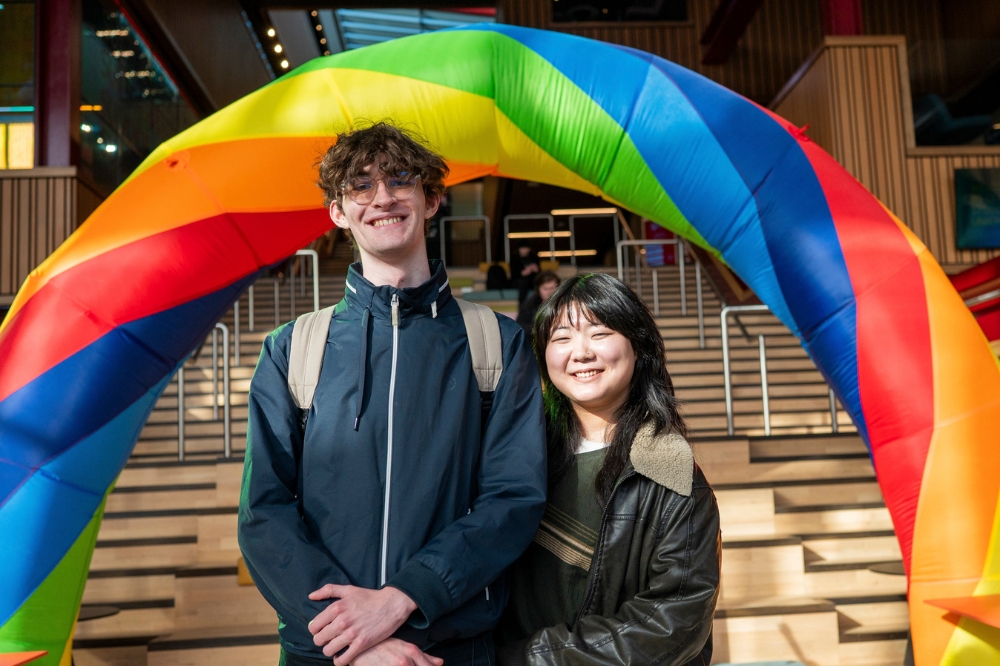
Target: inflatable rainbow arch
point(99, 329)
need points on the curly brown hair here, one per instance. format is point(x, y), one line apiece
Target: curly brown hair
point(397, 151)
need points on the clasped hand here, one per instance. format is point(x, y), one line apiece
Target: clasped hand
point(362, 621)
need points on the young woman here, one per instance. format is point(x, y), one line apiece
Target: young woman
point(625, 567)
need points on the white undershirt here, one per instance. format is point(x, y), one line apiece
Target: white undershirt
point(586, 446)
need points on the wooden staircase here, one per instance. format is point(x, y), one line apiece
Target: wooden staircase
point(802, 515)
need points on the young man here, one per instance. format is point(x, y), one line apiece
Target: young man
point(380, 529)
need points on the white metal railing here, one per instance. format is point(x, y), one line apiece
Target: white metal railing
point(733, 310)
point(251, 312)
point(528, 216)
point(442, 228)
point(681, 252)
point(982, 298)
point(226, 434)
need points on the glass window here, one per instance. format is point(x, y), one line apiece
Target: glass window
point(128, 104)
point(17, 85)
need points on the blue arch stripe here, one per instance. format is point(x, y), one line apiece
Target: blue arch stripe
point(797, 225)
point(46, 515)
point(95, 384)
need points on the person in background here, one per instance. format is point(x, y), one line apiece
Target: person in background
point(546, 283)
point(523, 268)
point(625, 567)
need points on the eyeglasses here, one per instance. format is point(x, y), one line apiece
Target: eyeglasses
point(362, 190)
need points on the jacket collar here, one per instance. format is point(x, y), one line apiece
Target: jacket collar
point(425, 299)
point(665, 458)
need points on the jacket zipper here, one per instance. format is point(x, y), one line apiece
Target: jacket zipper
point(588, 597)
point(388, 455)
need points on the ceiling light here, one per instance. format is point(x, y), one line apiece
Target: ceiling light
point(270, 32)
point(111, 147)
point(85, 127)
point(323, 40)
point(326, 53)
point(319, 27)
point(567, 253)
point(277, 48)
point(284, 64)
point(584, 211)
point(100, 140)
point(538, 234)
point(313, 12)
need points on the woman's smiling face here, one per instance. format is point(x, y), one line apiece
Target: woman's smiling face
point(589, 363)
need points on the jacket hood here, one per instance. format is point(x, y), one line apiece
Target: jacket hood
point(665, 458)
point(423, 300)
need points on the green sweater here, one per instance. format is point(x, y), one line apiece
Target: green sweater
point(549, 581)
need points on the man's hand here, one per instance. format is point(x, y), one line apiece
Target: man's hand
point(394, 652)
point(358, 620)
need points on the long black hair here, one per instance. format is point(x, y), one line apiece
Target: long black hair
point(603, 299)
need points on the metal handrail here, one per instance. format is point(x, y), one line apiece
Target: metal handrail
point(225, 384)
point(180, 413)
point(453, 218)
point(763, 385)
point(226, 436)
point(765, 397)
point(527, 216)
point(726, 373)
point(982, 298)
point(681, 253)
point(315, 279)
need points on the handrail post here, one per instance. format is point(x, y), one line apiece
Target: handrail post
point(277, 300)
point(215, 374)
point(656, 294)
point(701, 304)
point(227, 443)
point(618, 257)
point(572, 241)
point(442, 225)
point(726, 373)
point(680, 257)
point(834, 426)
point(250, 308)
point(291, 291)
point(763, 385)
point(727, 379)
point(314, 255)
point(236, 333)
point(180, 413)
point(638, 271)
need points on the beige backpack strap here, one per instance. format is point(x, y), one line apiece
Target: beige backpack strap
point(483, 329)
point(305, 359)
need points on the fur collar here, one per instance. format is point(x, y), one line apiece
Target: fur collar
point(665, 458)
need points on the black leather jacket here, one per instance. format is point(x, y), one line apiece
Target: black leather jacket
point(654, 577)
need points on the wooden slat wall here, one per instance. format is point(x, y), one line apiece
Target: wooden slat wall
point(854, 94)
point(37, 213)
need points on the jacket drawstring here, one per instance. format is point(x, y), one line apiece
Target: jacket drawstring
point(359, 398)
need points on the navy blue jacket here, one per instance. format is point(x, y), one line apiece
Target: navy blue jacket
point(461, 503)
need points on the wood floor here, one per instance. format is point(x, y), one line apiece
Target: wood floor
point(803, 519)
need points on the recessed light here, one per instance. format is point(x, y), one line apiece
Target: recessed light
point(277, 48)
point(284, 64)
point(270, 32)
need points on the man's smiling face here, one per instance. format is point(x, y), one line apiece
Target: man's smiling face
point(391, 226)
